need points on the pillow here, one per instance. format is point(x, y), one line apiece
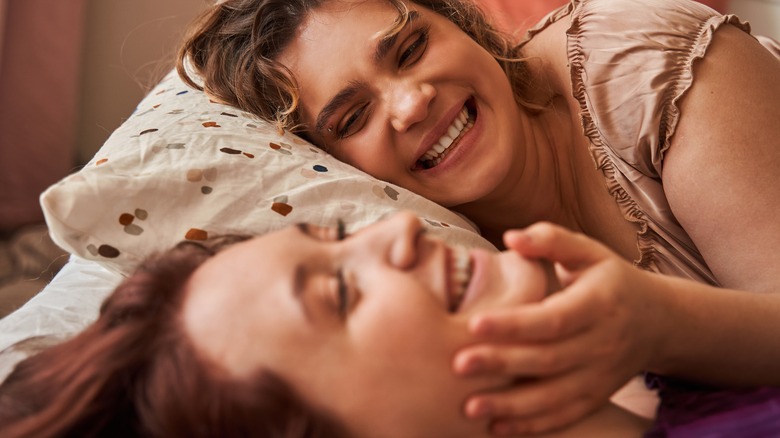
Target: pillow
point(183, 167)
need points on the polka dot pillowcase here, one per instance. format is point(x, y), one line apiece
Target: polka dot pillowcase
point(182, 167)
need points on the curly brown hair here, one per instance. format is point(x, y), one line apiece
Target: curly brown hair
point(232, 48)
point(135, 372)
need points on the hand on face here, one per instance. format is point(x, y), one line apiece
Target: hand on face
point(570, 351)
point(343, 318)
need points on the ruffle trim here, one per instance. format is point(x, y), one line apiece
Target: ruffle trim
point(646, 237)
point(551, 18)
point(629, 207)
point(684, 74)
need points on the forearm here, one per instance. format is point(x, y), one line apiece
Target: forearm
point(718, 336)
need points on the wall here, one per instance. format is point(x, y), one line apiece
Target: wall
point(40, 44)
point(129, 46)
point(71, 72)
point(763, 15)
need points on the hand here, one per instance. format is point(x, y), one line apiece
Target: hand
point(571, 351)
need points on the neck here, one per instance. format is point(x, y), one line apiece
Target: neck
point(542, 185)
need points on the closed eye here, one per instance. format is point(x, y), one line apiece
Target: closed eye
point(416, 49)
point(353, 122)
point(343, 295)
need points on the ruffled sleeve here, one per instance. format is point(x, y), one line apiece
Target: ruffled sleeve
point(630, 65)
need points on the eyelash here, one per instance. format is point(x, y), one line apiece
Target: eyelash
point(421, 43)
point(344, 131)
point(343, 296)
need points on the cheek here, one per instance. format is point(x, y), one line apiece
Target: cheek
point(405, 356)
point(370, 152)
point(406, 321)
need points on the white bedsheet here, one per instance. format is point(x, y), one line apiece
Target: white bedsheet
point(64, 307)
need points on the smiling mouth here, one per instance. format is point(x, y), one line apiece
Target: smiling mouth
point(459, 127)
point(459, 270)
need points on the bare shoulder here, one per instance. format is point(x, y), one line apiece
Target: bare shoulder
point(720, 173)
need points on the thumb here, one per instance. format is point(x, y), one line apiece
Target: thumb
point(567, 249)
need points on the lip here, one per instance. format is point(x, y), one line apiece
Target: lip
point(438, 131)
point(458, 151)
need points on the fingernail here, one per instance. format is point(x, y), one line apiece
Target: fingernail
point(478, 409)
point(519, 235)
point(515, 233)
point(480, 326)
point(466, 364)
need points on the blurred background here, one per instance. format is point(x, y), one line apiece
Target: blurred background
point(71, 71)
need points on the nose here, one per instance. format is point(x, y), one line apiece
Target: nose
point(410, 101)
point(395, 238)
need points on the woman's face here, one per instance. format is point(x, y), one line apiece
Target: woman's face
point(364, 328)
point(429, 109)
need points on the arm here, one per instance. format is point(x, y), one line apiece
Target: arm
point(610, 321)
point(721, 178)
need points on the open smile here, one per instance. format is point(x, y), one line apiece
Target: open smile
point(462, 123)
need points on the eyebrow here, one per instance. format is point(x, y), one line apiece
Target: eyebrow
point(299, 276)
point(387, 42)
point(345, 95)
point(336, 102)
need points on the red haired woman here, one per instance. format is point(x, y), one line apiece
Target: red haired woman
point(305, 332)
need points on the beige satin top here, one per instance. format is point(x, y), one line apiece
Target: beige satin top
point(629, 69)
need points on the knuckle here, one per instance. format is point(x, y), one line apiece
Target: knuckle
point(550, 400)
point(508, 405)
point(497, 361)
point(493, 360)
point(557, 325)
point(549, 362)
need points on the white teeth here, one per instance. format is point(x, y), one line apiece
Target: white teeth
point(460, 274)
point(459, 126)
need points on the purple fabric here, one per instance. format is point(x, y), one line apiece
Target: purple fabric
point(689, 410)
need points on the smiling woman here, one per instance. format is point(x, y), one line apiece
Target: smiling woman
point(284, 335)
point(374, 107)
point(326, 304)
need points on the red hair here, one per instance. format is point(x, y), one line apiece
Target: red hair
point(134, 372)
